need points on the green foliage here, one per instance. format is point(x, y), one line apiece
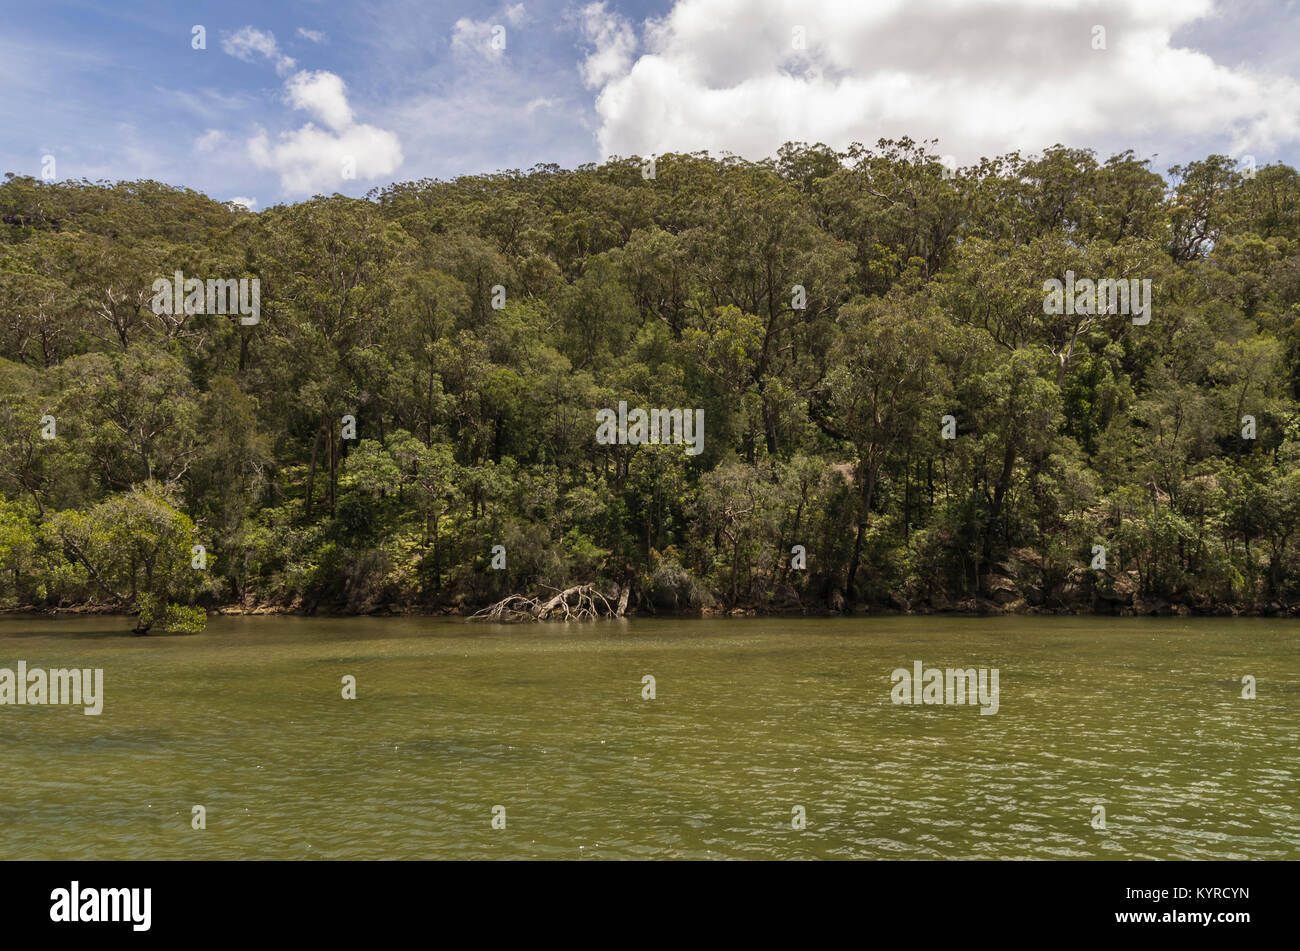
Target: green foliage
point(173, 618)
point(136, 551)
point(920, 297)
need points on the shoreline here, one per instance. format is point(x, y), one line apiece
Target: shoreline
point(973, 607)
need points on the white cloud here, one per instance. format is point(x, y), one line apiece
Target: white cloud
point(249, 203)
point(247, 41)
point(982, 76)
point(314, 35)
point(615, 41)
point(209, 140)
point(543, 102)
point(310, 158)
point(475, 36)
point(486, 37)
point(323, 94)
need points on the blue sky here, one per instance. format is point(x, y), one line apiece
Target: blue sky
point(292, 99)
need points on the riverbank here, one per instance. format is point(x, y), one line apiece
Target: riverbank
point(897, 606)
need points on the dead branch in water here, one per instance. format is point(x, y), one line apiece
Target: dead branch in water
point(579, 603)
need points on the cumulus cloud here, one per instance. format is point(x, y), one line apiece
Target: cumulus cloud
point(614, 41)
point(249, 203)
point(323, 95)
point(314, 35)
point(312, 159)
point(982, 76)
point(247, 42)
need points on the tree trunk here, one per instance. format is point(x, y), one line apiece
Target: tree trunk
point(868, 494)
point(311, 473)
point(853, 562)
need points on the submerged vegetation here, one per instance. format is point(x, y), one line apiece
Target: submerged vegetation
point(835, 318)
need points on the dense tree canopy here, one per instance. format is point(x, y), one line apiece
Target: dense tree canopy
point(834, 315)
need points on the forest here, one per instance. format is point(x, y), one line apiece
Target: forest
point(895, 417)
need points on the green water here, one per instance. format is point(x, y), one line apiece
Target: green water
point(751, 719)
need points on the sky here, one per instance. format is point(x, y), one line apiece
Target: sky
point(267, 103)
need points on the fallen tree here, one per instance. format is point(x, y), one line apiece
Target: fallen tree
point(578, 603)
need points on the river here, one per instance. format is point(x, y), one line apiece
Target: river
point(755, 724)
